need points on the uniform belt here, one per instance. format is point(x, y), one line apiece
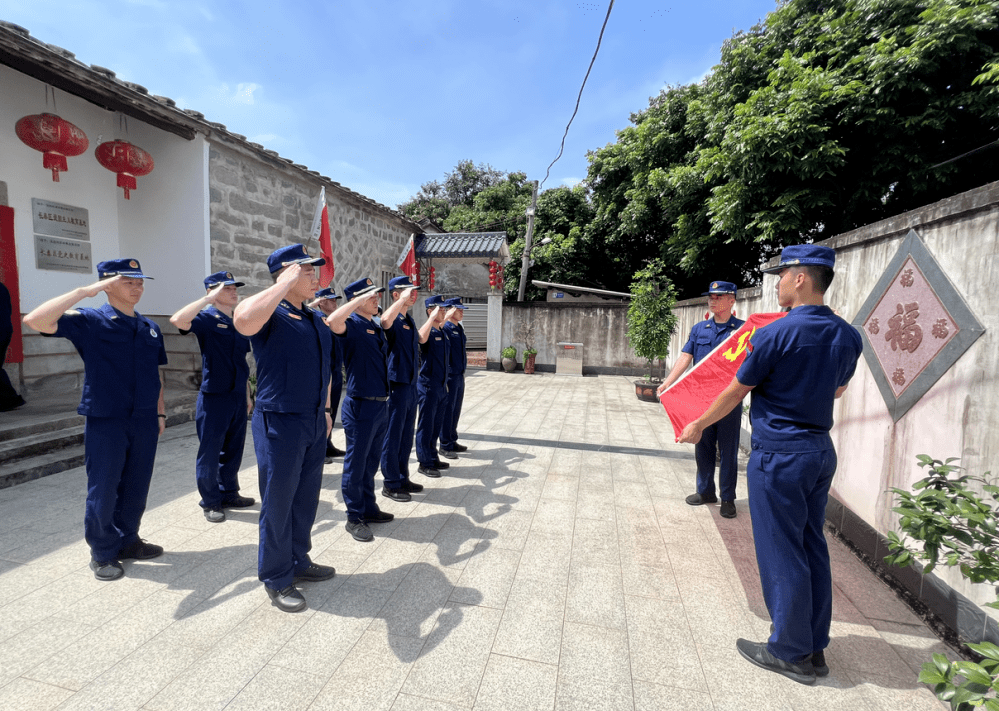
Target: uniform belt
point(376, 399)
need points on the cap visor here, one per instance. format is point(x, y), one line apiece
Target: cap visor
point(367, 291)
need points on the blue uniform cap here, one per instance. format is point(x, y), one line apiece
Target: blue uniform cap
point(721, 287)
point(432, 301)
point(800, 255)
point(121, 267)
point(401, 282)
point(226, 278)
point(292, 254)
point(326, 293)
point(361, 287)
point(455, 302)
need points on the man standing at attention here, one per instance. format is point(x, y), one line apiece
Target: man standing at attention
point(457, 364)
point(291, 345)
point(796, 368)
point(365, 409)
point(224, 397)
point(724, 435)
point(403, 368)
point(432, 388)
point(123, 403)
point(326, 302)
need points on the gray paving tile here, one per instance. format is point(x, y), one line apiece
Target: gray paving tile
point(595, 596)
point(31, 695)
point(532, 622)
point(275, 688)
point(487, 578)
point(657, 697)
point(510, 683)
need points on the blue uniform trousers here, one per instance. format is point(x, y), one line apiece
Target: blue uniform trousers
point(118, 454)
point(452, 411)
point(399, 434)
point(428, 424)
point(723, 437)
point(220, 419)
point(335, 394)
point(364, 424)
point(290, 448)
point(787, 499)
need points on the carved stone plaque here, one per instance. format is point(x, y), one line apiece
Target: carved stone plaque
point(915, 325)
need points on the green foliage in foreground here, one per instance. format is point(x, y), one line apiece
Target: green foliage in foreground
point(957, 528)
point(651, 320)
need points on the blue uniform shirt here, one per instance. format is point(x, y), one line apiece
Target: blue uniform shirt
point(292, 351)
point(458, 360)
point(336, 362)
point(434, 368)
point(706, 335)
point(121, 358)
point(365, 353)
point(223, 352)
point(404, 350)
point(796, 365)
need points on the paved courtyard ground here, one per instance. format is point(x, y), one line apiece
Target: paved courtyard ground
point(556, 566)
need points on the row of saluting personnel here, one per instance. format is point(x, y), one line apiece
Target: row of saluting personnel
point(302, 342)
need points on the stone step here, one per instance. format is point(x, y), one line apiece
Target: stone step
point(16, 428)
point(30, 445)
point(40, 465)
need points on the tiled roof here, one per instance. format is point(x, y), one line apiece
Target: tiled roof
point(463, 247)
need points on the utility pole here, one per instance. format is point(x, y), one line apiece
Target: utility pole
point(527, 243)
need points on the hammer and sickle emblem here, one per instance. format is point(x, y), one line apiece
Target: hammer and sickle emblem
point(732, 353)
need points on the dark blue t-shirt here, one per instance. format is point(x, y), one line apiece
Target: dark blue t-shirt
point(121, 358)
point(292, 351)
point(404, 350)
point(435, 356)
point(223, 352)
point(796, 364)
point(365, 356)
point(458, 359)
point(706, 335)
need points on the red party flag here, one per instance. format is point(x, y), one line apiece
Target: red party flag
point(692, 394)
point(321, 231)
point(407, 262)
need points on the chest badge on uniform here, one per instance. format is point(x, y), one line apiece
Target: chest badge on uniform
point(221, 325)
point(295, 316)
point(370, 331)
point(406, 327)
point(152, 332)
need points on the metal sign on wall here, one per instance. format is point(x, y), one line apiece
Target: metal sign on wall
point(57, 220)
point(915, 326)
point(62, 236)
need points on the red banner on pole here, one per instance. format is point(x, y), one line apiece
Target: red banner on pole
point(321, 231)
point(690, 396)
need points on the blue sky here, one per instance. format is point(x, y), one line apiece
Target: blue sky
point(385, 95)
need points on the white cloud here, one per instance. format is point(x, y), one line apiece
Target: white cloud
point(571, 182)
point(242, 95)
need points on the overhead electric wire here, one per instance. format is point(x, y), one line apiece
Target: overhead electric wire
point(965, 155)
point(579, 98)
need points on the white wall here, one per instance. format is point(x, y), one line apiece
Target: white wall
point(164, 225)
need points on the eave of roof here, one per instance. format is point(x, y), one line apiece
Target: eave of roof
point(463, 247)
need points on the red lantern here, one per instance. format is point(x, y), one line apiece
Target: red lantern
point(492, 273)
point(432, 271)
point(55, 137)
point(126, 160)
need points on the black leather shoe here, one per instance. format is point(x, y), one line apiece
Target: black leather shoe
point(315, 573)
point(460, 448)
point(335, 452)
point(728, 509)
point(360, 531)
point(106, 570)
point(396, 494)
point(697, 499)
point(819, 663)
point(757, 653)
point(448, 454)
point(380, 517)
point(140, 550)
point(430, 472)
point(215, 515)
point(238, 502)
point(287, 600)
point(328, 460)
point(411, 487)
point(441, 465)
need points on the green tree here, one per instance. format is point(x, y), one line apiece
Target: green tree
point(436, 199)
point(651, 320)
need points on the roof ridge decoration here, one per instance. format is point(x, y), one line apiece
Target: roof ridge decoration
point(61, 68)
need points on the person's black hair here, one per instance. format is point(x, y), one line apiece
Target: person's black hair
point(821, 276)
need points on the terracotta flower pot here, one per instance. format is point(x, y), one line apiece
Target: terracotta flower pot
point(645, 390)
point(529, 363)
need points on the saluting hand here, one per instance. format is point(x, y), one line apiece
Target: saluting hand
point(213, 295)
point(291, 274)
point(97, 288)
point(450, 312)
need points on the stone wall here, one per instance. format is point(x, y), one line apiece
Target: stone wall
point(256, 206)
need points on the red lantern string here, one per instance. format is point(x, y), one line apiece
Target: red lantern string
point(125, 159)
point(56, 137)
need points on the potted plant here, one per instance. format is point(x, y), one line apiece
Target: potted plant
point(651, 322)
point(530, 354)
point(509, 359)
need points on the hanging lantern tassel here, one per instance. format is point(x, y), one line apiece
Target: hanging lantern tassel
point(126, 160)
point(55, 137)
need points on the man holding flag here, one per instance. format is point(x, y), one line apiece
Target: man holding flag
point(705, 336)
point(796, 367)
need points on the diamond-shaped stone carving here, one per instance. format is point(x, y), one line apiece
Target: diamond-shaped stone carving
point(915, 326)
